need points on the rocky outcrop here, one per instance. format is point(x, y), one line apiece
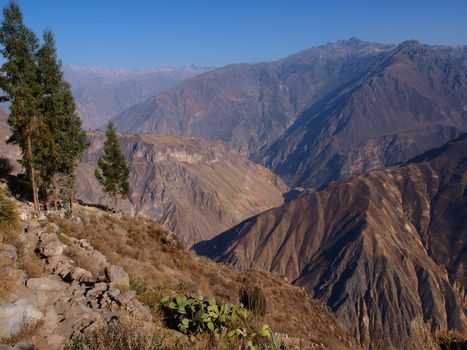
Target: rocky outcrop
point(196, 188)
point(66, 299)
point(385, 250)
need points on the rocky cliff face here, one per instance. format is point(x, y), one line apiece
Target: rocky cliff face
point(102, 94)
point(385, 250)
point(248, 105)
point(194, 187)
point(406, 101)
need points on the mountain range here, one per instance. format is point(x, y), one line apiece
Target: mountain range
point(322, 114)
point(194, 187)
point(386, 250)
point(369, 145)
point(103, 93)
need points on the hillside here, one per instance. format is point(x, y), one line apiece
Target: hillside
point(406, 101)
point(66, 277)
point(103, 93)
point(196, 188)
point(322, 114)
point(248, 105)
point(386, 251)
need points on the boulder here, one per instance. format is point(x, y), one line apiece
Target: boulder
point(9, 252)
point(55, 341)
point(19, 347)
point(113, 292)
point(44, 284)
point(117, 276)
point(14, 317)
point(60, 265)
point(139, 310)
point(52, 248)
point(126, 297)
point(81, 275)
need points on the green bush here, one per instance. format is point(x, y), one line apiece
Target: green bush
point(252, 297)
point(197, 314)
point(8, 214)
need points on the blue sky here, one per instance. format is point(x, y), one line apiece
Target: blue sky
point(147, 33)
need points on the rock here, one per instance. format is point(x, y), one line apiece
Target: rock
point(81, 275)
point(44, 284)
point(60, 265)
point(55, 341)
point(13, 317)
point(52, 248)
point(139, 310)
point(99, 288)
point(51, 320)
point(113, 292)
point(9, 252)
point(19, 347)
point(126, 297)
point(117, 276)
point(38, 300)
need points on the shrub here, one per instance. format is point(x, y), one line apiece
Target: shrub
point(252, 297)
point(8, 215)
point(197, 314)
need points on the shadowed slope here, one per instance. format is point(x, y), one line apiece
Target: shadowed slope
point(382, 249)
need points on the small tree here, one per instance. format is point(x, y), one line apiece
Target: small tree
point(62, 141)
point(113, 172)
point(18, 79)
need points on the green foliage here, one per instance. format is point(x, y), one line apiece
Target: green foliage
point(8, 214)
point(194, 315)
point(43, 115)
point(197, 314)
point(62, 140)
point(113, 172)
point(18, 80)
point(252, 297)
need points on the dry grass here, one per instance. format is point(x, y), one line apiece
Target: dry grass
point(7, 283)
point(123, 334)
point(158, 264)
point(25, 334)
point(29, 261)
point(9, 220)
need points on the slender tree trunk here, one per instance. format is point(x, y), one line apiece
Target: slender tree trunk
point(71, 196)
point(115, 202)
point(54, 190)
point(32, 172)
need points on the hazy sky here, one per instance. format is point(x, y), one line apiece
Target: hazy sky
point(136, 33)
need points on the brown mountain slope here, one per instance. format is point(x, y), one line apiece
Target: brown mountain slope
point(194, 187)
point(68, 273)
point(382, 249)
point(103, 93)
point(249, 105)
point(407, 100)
